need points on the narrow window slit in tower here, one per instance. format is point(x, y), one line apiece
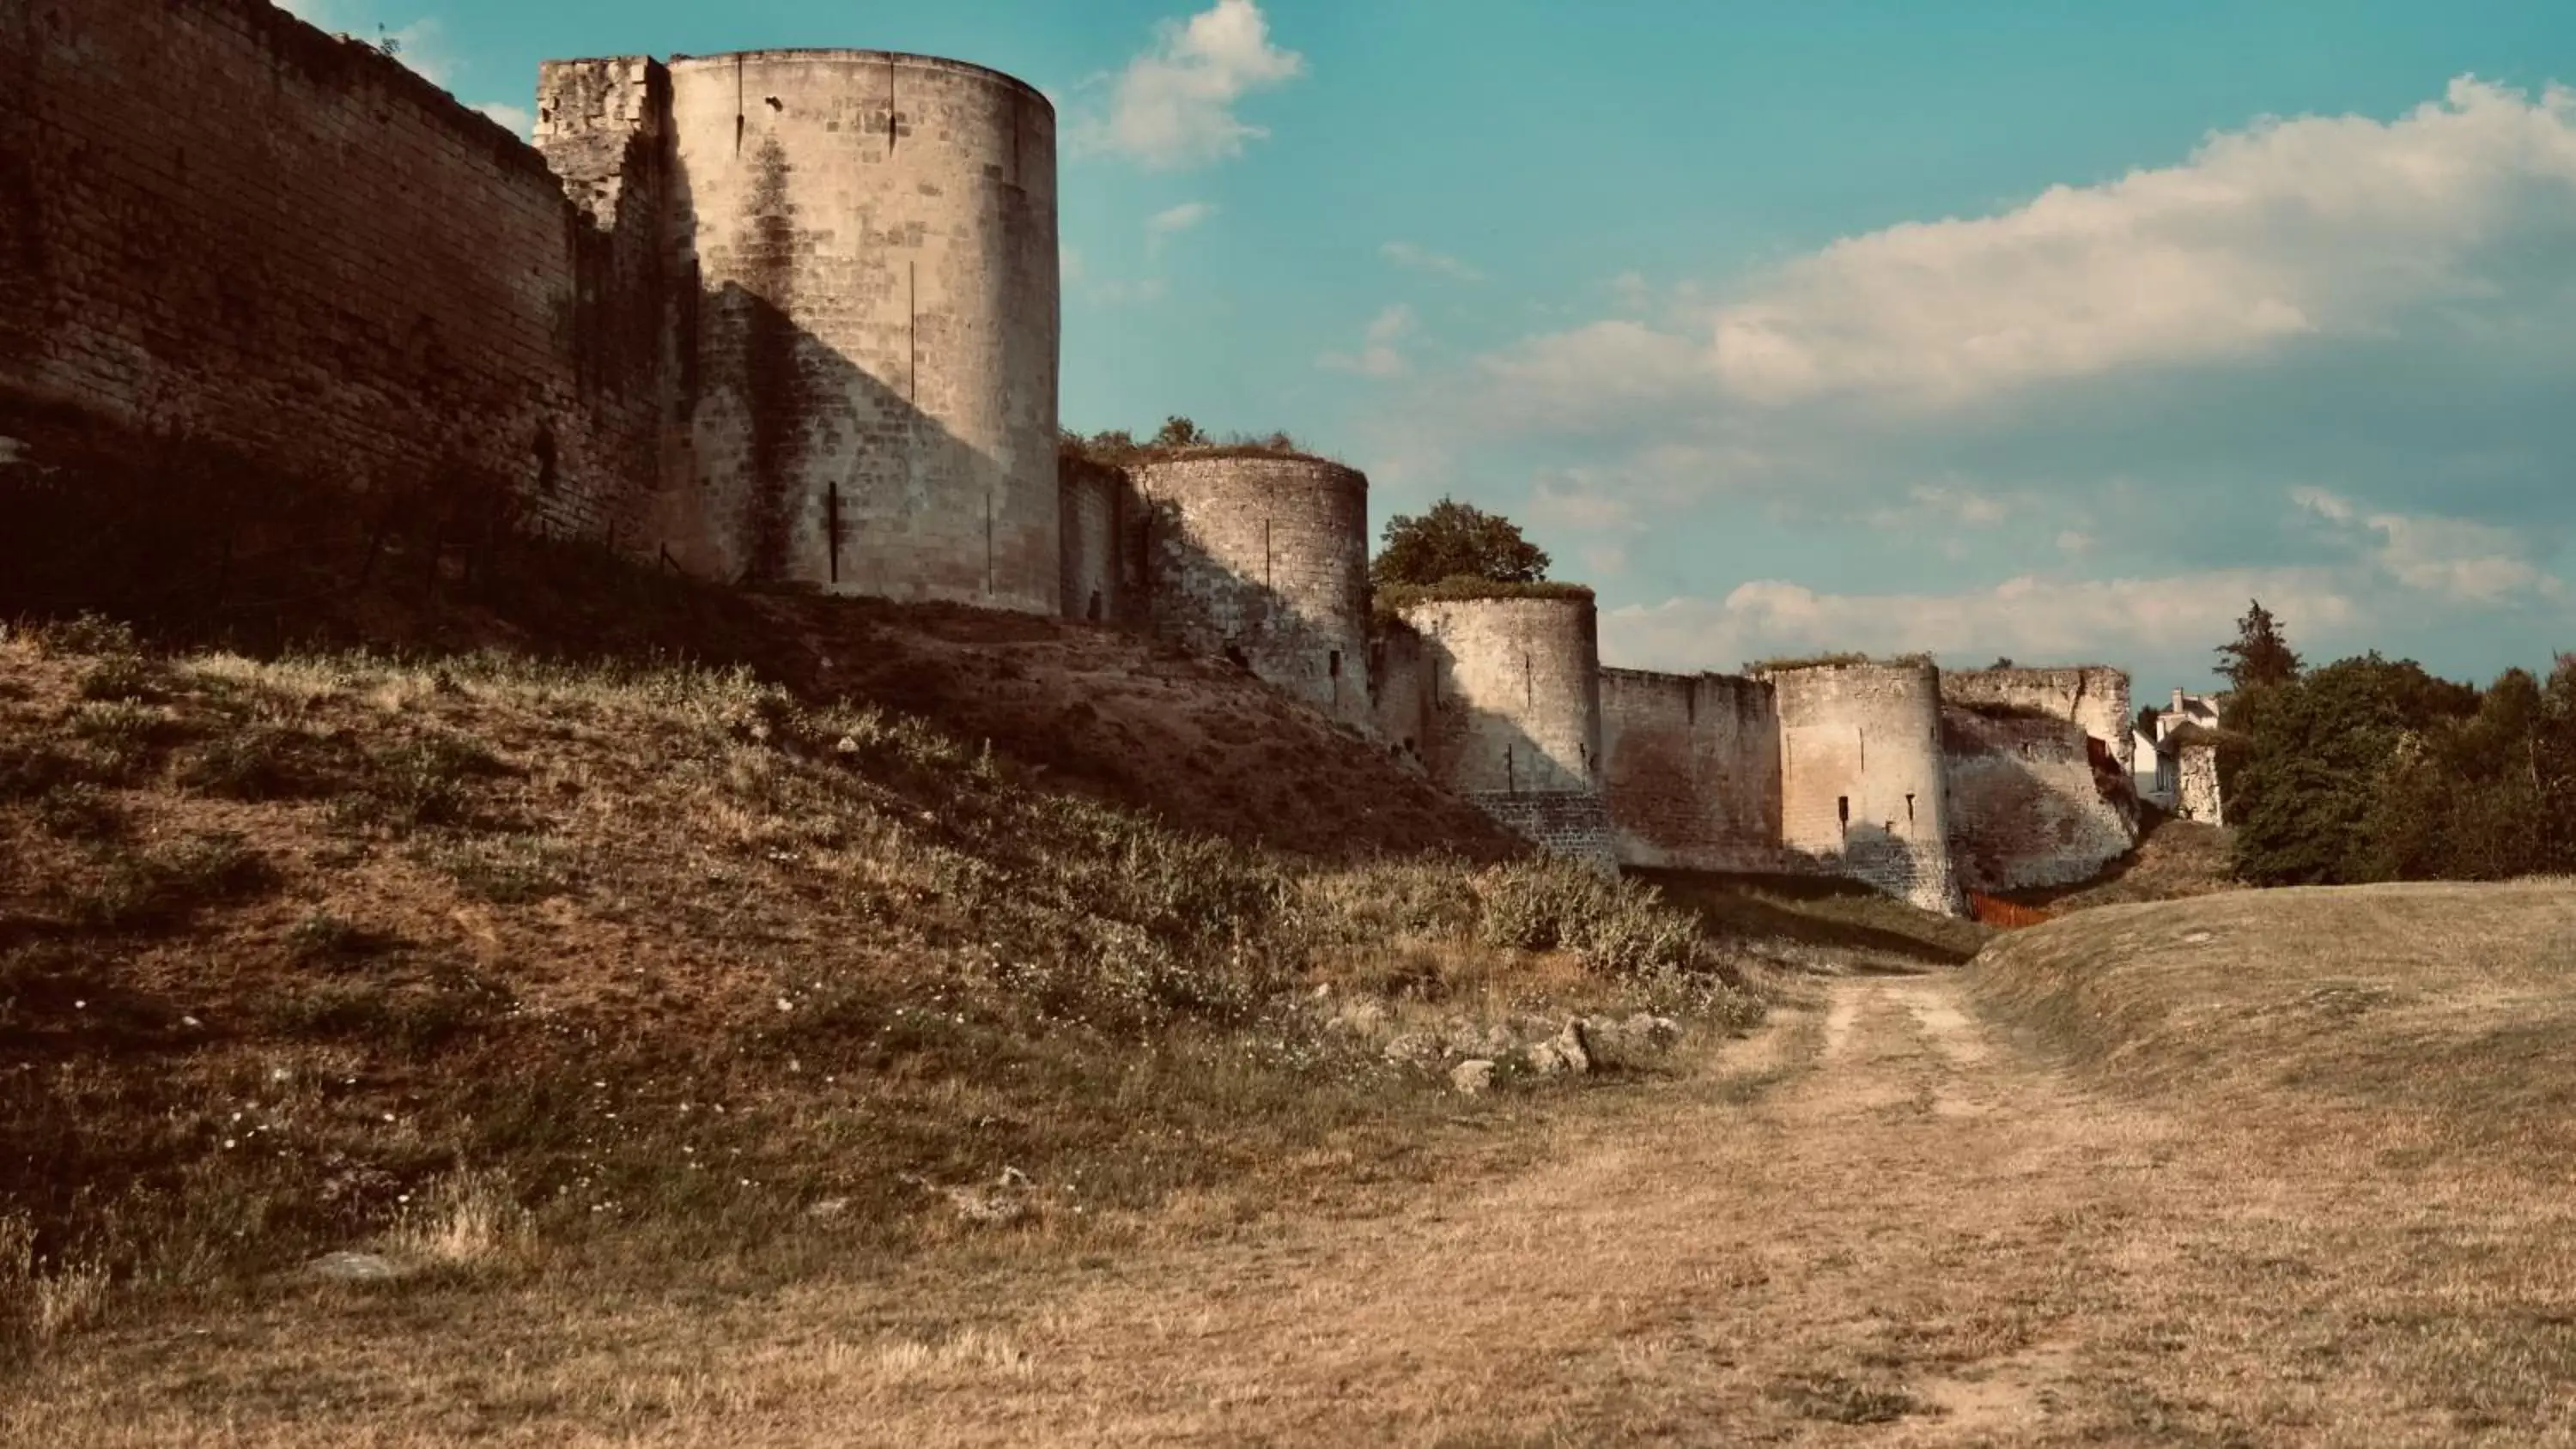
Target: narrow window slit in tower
point(832, 527)
point(1842, 813)
point(1333, 664)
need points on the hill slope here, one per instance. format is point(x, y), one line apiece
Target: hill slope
point(2441, 1012)
point(293, 949)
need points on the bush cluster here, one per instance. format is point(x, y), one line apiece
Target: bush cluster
point(2370, 769)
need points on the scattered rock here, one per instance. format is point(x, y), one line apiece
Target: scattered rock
point(986, 1207)
point(1574, 1047)
point(353, 1267)
point(1659, 1032)
point(1568, 1051)
point(1472, 1076)
point(1362, 1017)
point(1412, 1049)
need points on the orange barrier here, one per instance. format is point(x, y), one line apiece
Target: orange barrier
point(1988, 911)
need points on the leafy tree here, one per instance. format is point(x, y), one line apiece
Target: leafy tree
point(2147, 716)
point(1180, 432)
point(2324, 790)
point(1456, 540)
point(2259, 656)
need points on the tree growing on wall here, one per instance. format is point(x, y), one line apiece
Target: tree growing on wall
point(1456, 540)
point(1180, 432)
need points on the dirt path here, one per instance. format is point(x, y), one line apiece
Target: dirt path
point(1874, 1224)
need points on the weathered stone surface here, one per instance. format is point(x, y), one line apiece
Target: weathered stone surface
point(2197, 792)
point(1509, 714)
point(2030, 802)
point(2092, 697)
point(223, 227)
point(1862, 782)
point(1692, 770)
point(864, 313)
point(1471, 1076)
point(1263, 559)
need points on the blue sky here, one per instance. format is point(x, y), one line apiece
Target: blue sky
point(2045, 330)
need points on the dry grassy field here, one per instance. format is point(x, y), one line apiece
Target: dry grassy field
point(700, 1081)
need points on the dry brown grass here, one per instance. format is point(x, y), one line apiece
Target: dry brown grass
point(1880, 1221)
point(491, 963)
point(2249, 1169)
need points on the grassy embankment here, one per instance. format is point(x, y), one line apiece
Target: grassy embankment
point(2379, 1075)
point(487, 964)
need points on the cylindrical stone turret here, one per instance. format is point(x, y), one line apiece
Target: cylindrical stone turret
point(1263, 558)
point(1862, 787)
point(1510, 695)
point(863, 258)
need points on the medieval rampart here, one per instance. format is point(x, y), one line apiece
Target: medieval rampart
point(223, 228)
point(1262, 558)
point(1691, 770)
point(1863, 791)
point(2093, 697)
point(1093, 508)
point(1509, 690)
point(2030, 801)
point(865, 326)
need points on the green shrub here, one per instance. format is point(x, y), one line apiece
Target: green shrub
point(1614, 925)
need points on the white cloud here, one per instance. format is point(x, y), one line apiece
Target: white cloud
point(519, 119)
point(2460, 560)
point(1377, 356)
point(2319, 227)
point(1174, 105)
point(2024, 617)
point(1406, 254)
point(1174, 220)
point(2075, 542)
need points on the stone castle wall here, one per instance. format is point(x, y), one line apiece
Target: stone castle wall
point(1262, 558)
point(2093, 697)
point(864, 327)
point(2030, 803)
point(793, 317)
point(1691, 770)
point(219, 224)
point(1863, 789)
point(1509, 691)
point(1092, 511)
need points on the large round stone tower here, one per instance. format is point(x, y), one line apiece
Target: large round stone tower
point(1862, 787)
point(1505, 710)
point(863, 257)
point(1263, 558)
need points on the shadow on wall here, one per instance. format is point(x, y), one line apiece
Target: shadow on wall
point(794, 467)
point(170, 531)
point(789, 464)
point(1163, 581)
point(1473, 748)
